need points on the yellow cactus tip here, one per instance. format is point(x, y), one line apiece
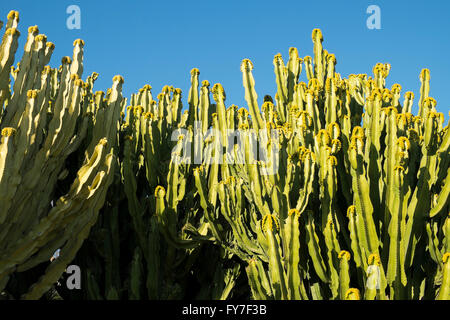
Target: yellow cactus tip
point(344, 254)
point(230, 180)
point(336, 145)
point(103, 141)
point(292, 109)
point(404, 143)
point(32, 94)
point(242, 111)
point(195, 71)
point(425, 75)
point(270, 126)
point(33, 30)
point(66, 60)
point(166, 89)
point(317, 34)
point(40, 38)
point(50, 45)
point(374, 258)
point(323, 137)
point(234, 107)
point(313, 83)
point(246, 65)
point(334, 130)
point(331, 57)
point(148, 115)
point(12, 32)
point(221, 183)
point(293, 50)
point(160, 192)
point(267, 105)
point(205, 83)
point(8, 132)
point(243, 126)
point(418, 119)
point(137, 110)
point(217, 88)
point(358, 132)
point(46, 70)
point(307, 59)
point(377, 69)
point(118, 78)
point(446, 257)
point(268, 222)
point(79, 83)
point(128, 138)
point(352, 294)
point(332, 161)
point(278, 59)
point(429, 102)
point(78, 42)
point(396, 88)
point(294, 212)
point(433, 115)
point(13, 15)
point(351, 210)
point(357, 143)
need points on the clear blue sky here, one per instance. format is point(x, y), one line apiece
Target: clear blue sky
point(159, 42)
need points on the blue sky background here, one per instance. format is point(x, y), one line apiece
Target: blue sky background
point(159, 42)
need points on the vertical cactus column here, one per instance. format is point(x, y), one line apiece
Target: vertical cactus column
point(45, 121)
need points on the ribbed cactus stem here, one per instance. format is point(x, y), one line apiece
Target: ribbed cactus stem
point(424, 89)
point(270, 226)
point(193, 98)
point(319, 71)
point(344, 275)
point(294, 68)
point(250, 94)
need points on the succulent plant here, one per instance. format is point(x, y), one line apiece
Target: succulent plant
point(332, 189)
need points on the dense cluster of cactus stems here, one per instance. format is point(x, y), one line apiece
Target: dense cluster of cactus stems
point(346, 196)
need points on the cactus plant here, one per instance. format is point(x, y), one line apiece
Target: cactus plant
point(56, 159)
point(332, 189)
